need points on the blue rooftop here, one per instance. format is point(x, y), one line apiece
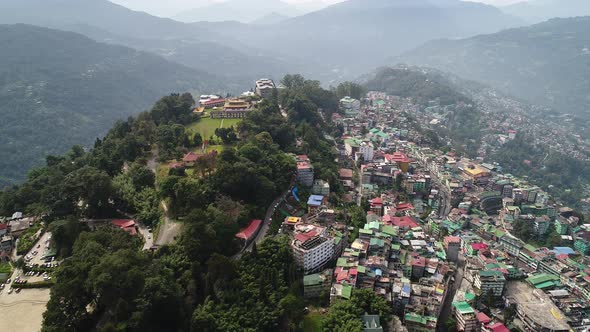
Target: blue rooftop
point(315, 200)
point(563, 251)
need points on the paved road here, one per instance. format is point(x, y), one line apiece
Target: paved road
point(147, 236)
point(169, 230)
point(265, 226)
point(445, 312)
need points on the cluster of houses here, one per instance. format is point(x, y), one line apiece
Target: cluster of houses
point(236, 107)
point(10, 229)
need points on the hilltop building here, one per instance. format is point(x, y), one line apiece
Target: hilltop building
point(265, 87)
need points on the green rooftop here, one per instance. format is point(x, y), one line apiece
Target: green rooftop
point(469, 296)
point(312, 280)
point(389, 230)
point(346, 291)
point(412, 317)
point(547, 284)
point(463, 308)
point(376, 242)
point(541, 278)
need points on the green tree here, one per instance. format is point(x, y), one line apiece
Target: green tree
point(89, 188)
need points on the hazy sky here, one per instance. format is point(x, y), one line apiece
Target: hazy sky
point(172, 7)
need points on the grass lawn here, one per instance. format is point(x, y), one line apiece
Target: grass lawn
point(5, 267)
point(206, 126)
point(312, 322)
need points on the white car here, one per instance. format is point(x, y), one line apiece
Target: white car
point(10, 291)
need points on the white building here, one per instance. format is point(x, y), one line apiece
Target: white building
point(312, 249)
point(366, 150)
point(350, 105)
point(264, 87)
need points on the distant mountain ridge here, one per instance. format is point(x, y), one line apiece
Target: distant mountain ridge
point(547, 63)
point(365, 32)
point(196, 46)
point(238, 10)
point(60, 88)
point(536, 11)
point(336, 43)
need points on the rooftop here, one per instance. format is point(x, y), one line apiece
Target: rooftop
point(463, 308)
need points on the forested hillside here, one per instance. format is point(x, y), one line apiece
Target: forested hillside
point(59, 88)
point(194, 283)
point(547, 63)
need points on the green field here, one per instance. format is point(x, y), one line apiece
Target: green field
point(206, 126)
point(312, 322)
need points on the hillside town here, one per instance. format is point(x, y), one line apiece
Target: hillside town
point(450, 243)
point(440, 236)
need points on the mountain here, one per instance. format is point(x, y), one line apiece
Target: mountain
point(547, 63)
point(195, 46)
point(535, 11)
point(161, 8)
point(102, 14)
point(60, 88)
point(272, 18)
point(352, 37)
point(237, 10)
point(336, 43)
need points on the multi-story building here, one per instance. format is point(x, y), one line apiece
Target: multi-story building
point(233, 109)
point(265, 87)
point(351, 146)
point(490, 281)
point(561, 226)
point(350, 105)
point(321, 187)
point(305, 173)
point(511, 245)
point(214, 101)
point(312, 247)
point(465, 317)
point(452, 245)
point(6, 243)
point(366, 150)
point(542, 225)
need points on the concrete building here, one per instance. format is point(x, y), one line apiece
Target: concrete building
point(490, 281)
point(465, 317)
point(350, 106)
point(6, 243)
point(305, 173)
point(511, 244)
point(321, 187)
point(452, 246)
point(265, 87)
point(312, 251)
point(371, 323)
point(366, 150)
